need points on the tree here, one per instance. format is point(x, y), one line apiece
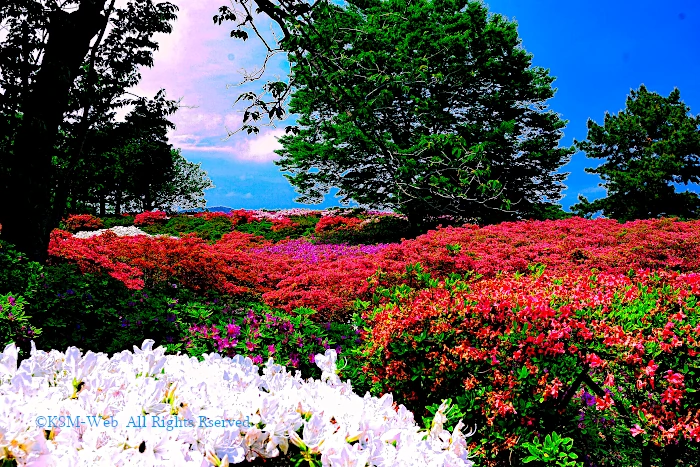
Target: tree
point(52, 60)
point(425, 107)
point(131, 164)
point(647, 147)
point(185, 189)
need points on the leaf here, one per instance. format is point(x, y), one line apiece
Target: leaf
point(237, 33)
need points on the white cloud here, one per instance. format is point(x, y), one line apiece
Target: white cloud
point(233, 194)
point(592, 189)
point(254, 148)
point(261, 148)
point(196, 62)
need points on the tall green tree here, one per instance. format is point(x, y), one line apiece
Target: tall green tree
point(55, 65)
point(427, 107)
point(647, 148)
point(185, 189)
point(139, 170)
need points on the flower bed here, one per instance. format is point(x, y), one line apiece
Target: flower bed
point(585, 329)
point(242, 263)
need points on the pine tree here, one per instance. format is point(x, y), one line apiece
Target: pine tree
point(647, 148)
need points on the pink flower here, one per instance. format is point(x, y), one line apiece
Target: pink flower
point(671, 395)
point(674, 378)
point(636, 430)
point(651, 368)
point(233, 330)
point(594, 360)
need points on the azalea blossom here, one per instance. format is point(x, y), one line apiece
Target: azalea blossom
point(144, 408)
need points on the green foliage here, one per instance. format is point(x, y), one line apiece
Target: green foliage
point(305, 228)
point(14, 322)
point(646, 148)
point(97, 312)
point(260, 228)
point(385, 229)
point(113, 221)
point(211, 230)
point(137, 162)
point(17, 273)
point(264, 229)
point(452, 413)
point(554, 451)
point(547, 211)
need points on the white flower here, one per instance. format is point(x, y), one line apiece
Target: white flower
point(132, 410)
point(8, 361)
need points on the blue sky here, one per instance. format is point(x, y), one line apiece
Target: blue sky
point(598, 51)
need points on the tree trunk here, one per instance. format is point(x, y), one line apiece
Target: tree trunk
point(416, 219)
point(118, 201)
point(25, 195)
point(147, 202)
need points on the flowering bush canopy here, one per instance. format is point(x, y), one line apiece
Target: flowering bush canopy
point(149, 218)
point(531, 350)
point(82, 222)
point(148, 409)
point(286, 277)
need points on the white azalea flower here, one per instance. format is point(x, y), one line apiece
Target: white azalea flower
point(143, 408)
point(8, 361)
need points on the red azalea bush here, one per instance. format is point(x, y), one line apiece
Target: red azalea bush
point(77, 222)
point(336, 222)
point(143, 260)
point(150, 218)
point(605, 359)
point(282, 224)
point(564, 246)
point(243, 216)
point(330, 287)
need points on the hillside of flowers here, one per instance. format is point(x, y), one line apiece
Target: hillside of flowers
point(573, 341)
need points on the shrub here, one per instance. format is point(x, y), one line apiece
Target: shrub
point(124, 220)
point(97, 312)
point(150, 218)
point(257, 331)
point(210, 228)
point(336, 222)
point(17, 274)
point(146, 261)
point(242, 216)
point(370, 230)
point(214, 228)
point(282, 224)
point(531, 354)
point(262, 229)
point(218, 407)
point(82, 222)
point(14, 323)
